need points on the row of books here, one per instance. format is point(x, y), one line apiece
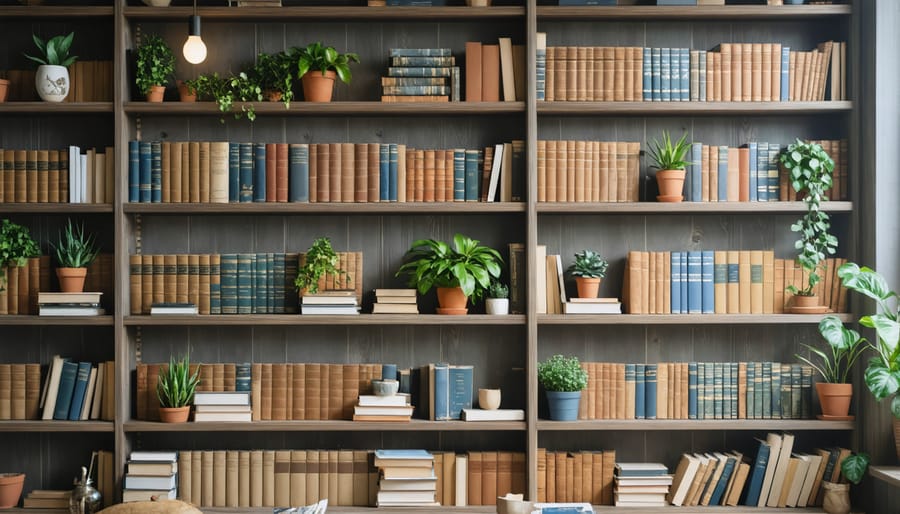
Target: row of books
point(104, 481)
point(490, 66)
point(731, 72)
point(222, 172)
point(78, 390)
point(89, 81)
point(697, 390)
point(421, 75)
point(231, 283)
point(57, 176)
point(722, 282)
point(20, 391)
point(588, 171)
point(579, 476)
point(23, 285)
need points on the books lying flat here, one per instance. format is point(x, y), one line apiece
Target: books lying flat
point(404, 472)
point(640, 469)
point(319, 299)
point(493, 415)
point(50, 297)
point(381, 417)
point(383, 410)
point(405, 458)
point(149, 456)
point(152, 468)
point(149, 482)
point(47, 499)
point(47, 310)
point(405, 497)
point(174, 308)
point(408, 484)
point(202, 417)
point(238, 409)
point(395, 308)
point(644, 481)
point(591, 308)
point(142, 495)
point(395, 299)
point(222, 398)
point(329, 309)
point(406, 293)
point(399, 399)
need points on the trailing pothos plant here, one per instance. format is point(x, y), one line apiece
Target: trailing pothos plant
point(217, 88)
point(318, 260)
point(246, 89)
point(275, 72)
point(16, 246)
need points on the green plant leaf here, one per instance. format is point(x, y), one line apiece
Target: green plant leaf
point(854, 467)
point(888, 330)
point(882, 382)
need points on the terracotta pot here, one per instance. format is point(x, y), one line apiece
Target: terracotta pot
point(318, 88)
point(4, 90)
point(837, 498)
point(156, 93)
point(671, 185)
point(805, 301)
point(71, 280)
point(185, 94)
point(834, 398)
point(451, 300)
point(587, 287)
point(10, 489)
point(174, 414)
point(273, 96)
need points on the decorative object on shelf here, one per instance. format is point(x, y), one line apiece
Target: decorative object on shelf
point(246, 89)
point(794, 2)
point(317, 66)
point(563, 379)
point(837, 496)
point(194, 49)
point(497, 301)
point(176, 390)
point(588, 269)
point(158, 3)
point(389, 372)
point(4, 90)
point(385, 387)
point(478, 3)
point(187, 90)
point(319, 260)
point(211, 85)
point(52, 77)
point(459, 272)
point(846, 346)
point(85, 498)
point(74, 252)
point(274, 73)
point(669, 160)
point(155, 66)
point(16, 247)
point(489, 399)
point(11, 489)
point(809, 171)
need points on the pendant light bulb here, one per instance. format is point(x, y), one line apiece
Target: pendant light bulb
point(194, 49)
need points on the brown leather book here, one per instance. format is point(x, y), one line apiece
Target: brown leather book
point(560, 72)
point(619, 387)
point(577, 486)
point(485, 170)
point(348, 189)
point(335, 172)
point(297, 393)
point(232, 478)
point(203, 306)
point(415, 171)
point(9, 176)
point(581, 73)
point(313, 403)
point(109, 172)
point(31, 172)
point(609, 72)
point(32, 390)
point(427, 168)
point(166, 167)
point(170, 279)
point(219, 478)
point(323, 170)
point(737, 72)
point(473, 71)
point(550, 73)
point(207, 480)
point(350, 393)
point(282, 482)
point(146, 290)
point(335, 391)
point(609, 465)
point(490, 73)
point(279, 391)
point(42, 166)
point(373, 172)
point(619, 74)
point(572, 73)
point(142, 391)
point(280, 182)
point(205, 172)
point(193, 277)
point(256, 391)
point(193, 185)
point(541, 459)
point(6, 387)
point(266, 398)
point(20, 181)
point(313, 173)
point(562, 491)
point(562, 171)
point(184, 475)
point(550, 163)
point(629, 64)
point(158, 289)
point(578, 185)
point(215, 283)
point(361, 172)
point(256, 478)
point(550, 486)
point(541, 168)
point(726, 60)
point(53, 176)
point(475, 478)
point(594, 70)
point(602, 395)
point(443, 176)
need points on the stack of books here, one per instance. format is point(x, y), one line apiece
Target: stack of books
point(406, 478)
point(69, 304)
point(222, 406)
point(383, 408)
point(150, 474)
point(330, 302)
point(174, 308)
point(640, 484)
point(395, 301)
point(592, 306)
point(421, 75)
point(47, 499)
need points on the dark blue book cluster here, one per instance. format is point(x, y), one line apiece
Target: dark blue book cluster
point(74, 390)
point(421, 75)
point(445, 390)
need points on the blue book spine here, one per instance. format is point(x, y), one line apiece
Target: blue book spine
point(262, 285)
point(460, 390)
point(234, 172)
point(441, 391)
point(685, 71)
point(754, 184)
point(684, 283)
point(726, 390)
point(762, 172)
point(723, 481)
point(695, 285)
point(734, 390)
point(156, 172)
point(630, 385)
point(656, 58)
point(66, 389)
point(472, 177)
point(676, 283)
point(134, 171)
point(675, 74)
point(393, 169)
point(774, 151)
point(640, 379)
point(540, 65)
point(776, 391)
point(766, 401)
point(215, 287)
point(384, 172)
point(228, 283)
point(650, 391)
point(709, 399)
point(408, 52)
point(82, 376)
point(723, 174)
point(298, 173)
point(259, 172)
point(692, 390)
point(459, 175)
point(665, 74)
point(146, 158)
point(703, 75)
point(270, 283)
point(696, 167)
point(279, 283)
point(647, 75)
point(707, 263)
point(718, 385)
point(701, 390)
point(785, 73)
point(246, 172)
point(244, 274)
point(242, 377)
point(757, 474)
point(751, 391)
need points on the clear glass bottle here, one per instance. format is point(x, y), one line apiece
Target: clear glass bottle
point(85, 498)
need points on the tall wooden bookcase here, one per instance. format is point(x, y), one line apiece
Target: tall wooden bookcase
point(505, 350)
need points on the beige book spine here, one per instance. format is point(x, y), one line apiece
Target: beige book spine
point(197, 477)
point(232, 478)
point(244, 478)
point(207, 478)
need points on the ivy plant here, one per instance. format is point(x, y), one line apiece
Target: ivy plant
point(16, 246)
point(319, 260)
point(155, 63)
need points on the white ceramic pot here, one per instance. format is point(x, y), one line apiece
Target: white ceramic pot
point(52, 82)
point(499, 306)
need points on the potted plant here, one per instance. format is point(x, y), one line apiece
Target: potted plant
point(588, 269)
point(563, 379)
point(497, 301)
point(216, 88)
point(845, 347)
point(317, 67)
point(155, 65)
point(809, 169)
point(669, 161)
point(52, 77)
point(11, 489)
point(837, 494)
point(318, 260)
point(246, 89)
point(187, 90)
point(274, 74)
point(16, 246)
point(459, 272)
point(175, 390)
point(74, 253)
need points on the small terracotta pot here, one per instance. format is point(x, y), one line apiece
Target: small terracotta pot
point(805, 301)
point(4, 90)
point(671, 185)
point(318, 88)
point(71, 280)
point(837, 498)
point(273, 96)
point(10, 489)
point(174, 414)
point(156, 94)
point(588, 287)
point(834, 398)
point(451, 300)
point(185, 94)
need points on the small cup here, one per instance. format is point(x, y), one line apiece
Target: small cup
point(385, 387)
point(389, 372)
point(489, 399)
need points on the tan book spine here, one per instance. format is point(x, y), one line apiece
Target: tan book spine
point(158, 290)
point(193, 277)
point(32, 391)
point(756, 63)
point(361, 172)
point(312, 476)
point(402, 193)
point(747, 71)
point(734, 192)
point(171, 280)
point(194, 179)
point(360, 478)
point(348, 188)
point(184, 475)
point(768, 282)
point(323, 172)
point(550, 74)
point(175, 173)
point(550, 486)
point(32, 182)
point(581, 73)
point(6, 387)
point(350, 392)
point(53, 176)
point(426, 169)
point(612, 163)
point(42, 165)
point(298, 392)
point(744, 279)
point(541, 458)
point(166, 178)
point(207, 478)
point(266, 398)
point(572, 73)
point(197, 477)
point(562, 484)
point(591, 89)
point(541, 169)
point(372, 164)
point(560, 72)
point(619, 70)
point(313, 378)
point(9, 175)
point(279, 392)
point(737, 72)
point(415, 175)
point(282, 478)
point(725, 61)
point(473, 72)
point(335, 167)
point(609, 465)
point(205, 172)
point(256, 479)
point(490, 73)
point(608, 58)
point(232, 478)
point(330, 478)
point(243, 478)
point(766, 70)
point(562, 182)
point(474, 479)
point(334, 392)
point(296, 477)
point(578, 186)
point(203, 262)
point(218, 172)
point(20, 181)
point(551, 171)
point(631, 61)
point(345, 477)
point(743, 174)
point(268, 482)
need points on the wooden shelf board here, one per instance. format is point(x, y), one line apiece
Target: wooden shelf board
point(684, 424)
point(7, 320)
point(55, 108)
point(492, 509)
point(331, 108)
point(56, 208)
point(333, 320)
point(415, 425)
point(691, 108)
point(293, 14)
point(52, 11)
point(889, 474)
point(56, 426)
point(708, 12)
point(686, 207)
point(685, 319)
point(324, 208)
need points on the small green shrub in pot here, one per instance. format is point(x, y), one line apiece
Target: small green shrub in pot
point(155, 65)
point(497, 301)
point(16, 246)
point(563, 379)
point(588, 269)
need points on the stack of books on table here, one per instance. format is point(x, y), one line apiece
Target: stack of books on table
point(383, 408)
point(592, 306)
point(150, 474)
point(222, 406)
point(406, 478)
point(330, 302)
point(421, 75)
point(395, 301)
point(47, 499)
point(69, 304)
point(641, 484)
point(174, 308)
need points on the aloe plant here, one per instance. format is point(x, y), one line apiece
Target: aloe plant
point(75, 249)
point(176, 384)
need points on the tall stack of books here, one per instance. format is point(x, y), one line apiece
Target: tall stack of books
point(222, 406)
point(406, 478)
point(640, 484)
point(330, 302)
point(69, 304)
point(421, 75)
point(395, 301)
point(383, 408)
point(150, 474)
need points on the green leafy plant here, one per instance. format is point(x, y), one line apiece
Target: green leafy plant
point(55, 51)
point(466, 264)
point(854, 467)
point(588, 264)
point(562, 374)
point(274, 72)
point(883, 371)
point(845, 345)
point(498, 289)
point(667, 155)
point(212, 86)
point(315, 56)
point(192, 86)
point(176, 383)
point(75, 249)
point(319, 260)
point(246, 89)
point(809, 169)
point(16, 246)
point(155, 63)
